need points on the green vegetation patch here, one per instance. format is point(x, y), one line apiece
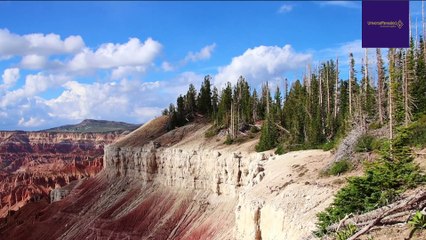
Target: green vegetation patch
point(382, 182)
point(339, 167)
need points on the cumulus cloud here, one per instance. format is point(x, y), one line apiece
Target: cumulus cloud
point(285, 8)
point(263, 63)
point(34, 84)
point(36, 43)
point(110, 55)
point(10, 76)
point(31, 122)
point(125, 71)
point(205, 53)
point(127, 100)
point(33, 61)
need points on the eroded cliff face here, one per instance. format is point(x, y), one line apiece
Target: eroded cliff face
point(34, 163)
point(216, 171)
point(180, 185)
point(276, 197)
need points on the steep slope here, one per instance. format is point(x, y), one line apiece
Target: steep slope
point(178, 185)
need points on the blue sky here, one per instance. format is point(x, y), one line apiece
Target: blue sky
point(62, 62)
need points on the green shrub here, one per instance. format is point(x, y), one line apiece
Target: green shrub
point(329, 145)
point(382, 182)
point(339, 167)
point(417, 130)
point(375, 125)
point(211, 132)
point(418, 221)
point(378, 144)
point(229, 140)
point(347, 232)
point(254, 129)
point(364, 143)
point(280, 150)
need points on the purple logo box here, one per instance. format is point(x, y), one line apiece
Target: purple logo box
point(385, 24)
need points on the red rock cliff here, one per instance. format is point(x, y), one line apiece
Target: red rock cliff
point(34, 163)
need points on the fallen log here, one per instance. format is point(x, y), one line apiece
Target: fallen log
point(384, 215)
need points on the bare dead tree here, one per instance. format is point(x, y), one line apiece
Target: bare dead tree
point(327, 85)
point(380, 84)
point(336, 87)
point(391, 73)
point(350, 93)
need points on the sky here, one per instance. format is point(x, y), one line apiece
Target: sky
point(62, 62)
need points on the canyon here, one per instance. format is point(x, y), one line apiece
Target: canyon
point(159, 184)
point(32, 164)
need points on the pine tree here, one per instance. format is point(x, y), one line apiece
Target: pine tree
point(190, 101)
point(269, 136)
point(205, 97)
point(277, 105)
point(225, 106)
point(419, 84)
point(409, 77)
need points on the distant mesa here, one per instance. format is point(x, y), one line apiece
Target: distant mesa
point(95, 126)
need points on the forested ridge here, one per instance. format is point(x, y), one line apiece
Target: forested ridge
point(322, 106)
point(319, 111)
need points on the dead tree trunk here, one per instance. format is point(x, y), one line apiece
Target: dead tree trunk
point(391, 70)
point(380, 84)
point(336, 88)
point(350, 93)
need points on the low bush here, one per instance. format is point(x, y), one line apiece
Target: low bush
point(346, 233)
point(339, 167)
point(254, 129)
point(211, 132)
point(417, 137)
point(229, 140)
point(418, 221)
point(280, 150)
point(378, 144)
point(329, 145)
point(364, 144)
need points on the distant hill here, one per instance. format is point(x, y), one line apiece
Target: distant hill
point(95, 126)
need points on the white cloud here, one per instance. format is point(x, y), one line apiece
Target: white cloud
point(119, 101)
point(345, 4)
point(10, 76)
point(34, 84)
point(167, 67)
point(125, 71)
point(205, 53)
point(33, 61)
point(145, 113)
point(124, 100)
point(109, 55)
point(285, 8)
point(32, 122)
point(263, 63)
point(39, 44)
